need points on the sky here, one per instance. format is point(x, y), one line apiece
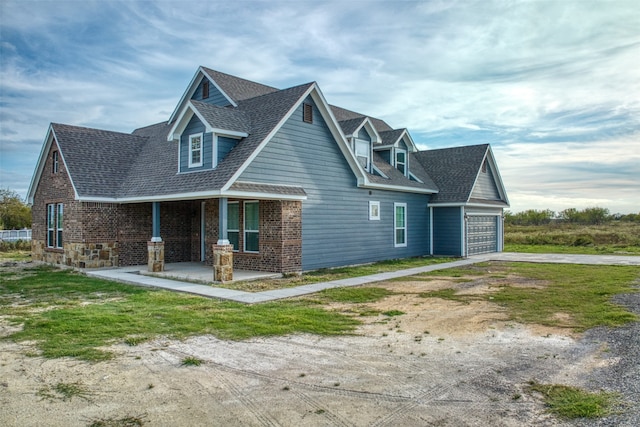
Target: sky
point(553, 86)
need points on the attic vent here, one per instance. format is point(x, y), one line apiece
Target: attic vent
point(307, 113)
point(205, 89)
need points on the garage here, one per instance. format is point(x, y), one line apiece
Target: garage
point(482, 234)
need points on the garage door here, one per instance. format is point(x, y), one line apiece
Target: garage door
point(482, 234)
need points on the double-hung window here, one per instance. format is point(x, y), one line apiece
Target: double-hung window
point(400, 224)
point(401, 161)
point(195, 150)
point(363, 153)
point(55, 216)
point(251, 227)
point(233, 224)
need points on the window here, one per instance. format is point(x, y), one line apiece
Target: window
point(363, 153)
point(205, 89)
point(374, 211)
point(60, 209)
point(401, 161)
point(51, 224)
point(195, 150)
point(251, 227)
point(400, 224)
point(55, 162)
point(307, 113)
point(54, 225)
point(233, 224)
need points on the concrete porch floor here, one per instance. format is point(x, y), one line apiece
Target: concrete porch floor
point(198, 272)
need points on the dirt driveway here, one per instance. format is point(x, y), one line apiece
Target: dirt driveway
point(441, 363)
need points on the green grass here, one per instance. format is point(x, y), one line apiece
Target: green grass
point(64, 391)
point(572, 296)
point(572, 402)
point(330, 274)
point(581, 250)
point(15, 255)
point(76, 316)
point(192, 361)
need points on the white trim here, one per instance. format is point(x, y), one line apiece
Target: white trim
point(415, 178)
point(191, 151)
point(374, 214)
point(471, 205)
point(411, 146)
point(395, 228)
point(396, 151)
point(59, 227)
point(376, 169)
point(214, 150)
point(185, 116)
point(156, 239)
point(362, 142)
point(370, 128)
point(195, 195)
point(398, 188)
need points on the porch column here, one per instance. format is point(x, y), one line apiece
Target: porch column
point(155, 247)
point(223, 238)
point(223, 250)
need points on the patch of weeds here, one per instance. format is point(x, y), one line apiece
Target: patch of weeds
point(392, 313)
point(368, 312)
point(64, 391)
point(516, 396)
point(355, 295)
point(286, 388)
point(126, 421)
point(336, 384)
point(133, 341)
point(192, 361)
point(150, 386)
point(572, 402)
point(302, 375)
point(320, 411)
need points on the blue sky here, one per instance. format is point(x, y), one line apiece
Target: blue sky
point(554, 86)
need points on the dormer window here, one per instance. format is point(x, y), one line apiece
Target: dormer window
point(401, 161)
point(195, 150)
point(205, 89)
point(363, 153)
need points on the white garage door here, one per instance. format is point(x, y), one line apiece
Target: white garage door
point(482, 234)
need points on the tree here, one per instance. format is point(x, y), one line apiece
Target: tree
point(14, 212)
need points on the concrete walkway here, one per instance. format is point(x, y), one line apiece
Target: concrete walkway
point(130, 275)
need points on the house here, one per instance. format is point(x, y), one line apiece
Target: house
point(289, 181)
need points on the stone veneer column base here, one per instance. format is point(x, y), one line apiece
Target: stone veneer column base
point(156, 256)
point(222, 263)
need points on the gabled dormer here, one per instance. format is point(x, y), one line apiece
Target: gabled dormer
point(361, 136)
point(395, 148)
point(205, 134)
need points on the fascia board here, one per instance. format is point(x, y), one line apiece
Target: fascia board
point(230, 133)
point(366, 123)
point(35, 179)
point(497, 177)
point(181, 124)
point(413, 147)
point(399, 188)
point(473, 205)
point(376, 169)
point(194, 196)
point(37, 173)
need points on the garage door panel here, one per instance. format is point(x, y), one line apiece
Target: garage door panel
point(482, 234)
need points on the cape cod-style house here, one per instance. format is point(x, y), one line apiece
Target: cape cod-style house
point(289, 181)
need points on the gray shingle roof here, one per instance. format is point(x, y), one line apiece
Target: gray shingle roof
point(236, 88)
point(268, 189)
point(390, 136)
point(223, 117)
point(395, 177)
point(342, 114)
point(351, 125)
point(97, 160)
point(454, 170)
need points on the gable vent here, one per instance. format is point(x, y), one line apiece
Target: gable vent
point(307, 113)
point(205, 89)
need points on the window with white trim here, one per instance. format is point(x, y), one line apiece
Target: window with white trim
point(51, 225)
point(251, 226)
point(400, 224)
point(195, 150)
point(54, 225)
point(374, 211)
point(233, 224)
point(363, 153)
point(401, 161)
point(59, 217)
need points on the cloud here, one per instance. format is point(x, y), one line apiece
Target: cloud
point(552, 85)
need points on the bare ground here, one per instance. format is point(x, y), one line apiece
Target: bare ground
point(441, 363)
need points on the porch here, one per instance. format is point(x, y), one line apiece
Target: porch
point(199, 272)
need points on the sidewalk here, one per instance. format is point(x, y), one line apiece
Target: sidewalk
point(130, 276)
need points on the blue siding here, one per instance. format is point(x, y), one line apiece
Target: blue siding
point(195, 126)
point(225, 145)
point(215, 96)
point(446, 231)
point(363, 134)
point(486, 187)
point(335, 226)
point(386, 155)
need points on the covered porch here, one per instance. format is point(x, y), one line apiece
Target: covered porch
point(199, 272)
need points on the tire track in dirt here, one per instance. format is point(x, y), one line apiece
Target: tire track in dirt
point(334, 419)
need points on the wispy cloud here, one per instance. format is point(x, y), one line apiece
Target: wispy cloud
point(552, 85)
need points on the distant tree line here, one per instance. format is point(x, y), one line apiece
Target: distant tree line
point(587, 216)
point(15, 214)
